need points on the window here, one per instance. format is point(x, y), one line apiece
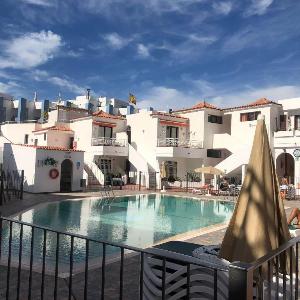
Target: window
point(215, 119)
point(35, 142)
point(214, 153)
point(171, 169)
point(282, 123)
point(252, 116)
point(45, 136)
point(172, 132)
point(26, 139)
point(297, 122)
point(104, 131)
point(105, 166)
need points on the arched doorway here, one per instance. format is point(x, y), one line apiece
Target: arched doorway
point(66, 176)
point(285, 167)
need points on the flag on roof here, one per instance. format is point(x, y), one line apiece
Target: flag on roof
point(132, 99)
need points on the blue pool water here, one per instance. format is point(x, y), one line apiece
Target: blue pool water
point(139, 221)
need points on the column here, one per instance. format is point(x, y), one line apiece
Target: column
point(244, 169)
point(203, 177)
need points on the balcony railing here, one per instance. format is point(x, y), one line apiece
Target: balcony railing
point(174, 142)
point(103, 141)
point(39, 262)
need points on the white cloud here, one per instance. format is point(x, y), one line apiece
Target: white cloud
point(152, 6)
point(204, 40)
point(30, 50)
point(271, 31)
point(250, 94)
point(9, 87)
point(143, 51)
point(115, 41)
point(223, 8)
point(192, 46)
point(161, 97)
point(39, 2)
point(164, 98)
point(64, 83)
point(258, 7)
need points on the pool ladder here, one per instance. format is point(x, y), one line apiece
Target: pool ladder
point(107, 193)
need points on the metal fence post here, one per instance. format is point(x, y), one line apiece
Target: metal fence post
point(140, 176)
point(240, 281)
point(22, 185)
point(1, 188)
point(187, 182)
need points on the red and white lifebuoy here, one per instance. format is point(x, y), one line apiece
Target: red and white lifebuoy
point(53, 173)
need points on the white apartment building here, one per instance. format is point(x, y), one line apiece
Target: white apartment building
point(111, 106)
point(181, 141)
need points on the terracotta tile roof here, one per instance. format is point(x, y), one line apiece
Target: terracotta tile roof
point(103, 114)
point(204, 104)
point(198, 106)
point(259, 102)
point(168, 115)
point(57, 128)
point(54, 148)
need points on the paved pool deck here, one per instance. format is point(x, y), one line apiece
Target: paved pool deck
point(212, 235)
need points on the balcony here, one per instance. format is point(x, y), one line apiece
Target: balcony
point(287, 139)
point(173, 147)
point(109, 146)
point(174, 142)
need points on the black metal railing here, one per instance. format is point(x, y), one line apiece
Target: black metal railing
point(42, 263)
point(11, 185)
point(37, 262)
point(276, 275)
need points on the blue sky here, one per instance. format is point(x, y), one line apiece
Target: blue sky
point(169, 53)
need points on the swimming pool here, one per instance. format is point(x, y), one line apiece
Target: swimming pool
point(140, 221)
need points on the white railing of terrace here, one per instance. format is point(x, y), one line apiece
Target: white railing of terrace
point(103, 141)
point(175, 142)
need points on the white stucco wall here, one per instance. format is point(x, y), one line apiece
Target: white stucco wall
point(37, 179)
point(16, 132)
point(144, 133)
point(54, 138)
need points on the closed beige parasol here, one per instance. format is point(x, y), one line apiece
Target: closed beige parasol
point(163, 171)
point(259, 223)
point(209, 170)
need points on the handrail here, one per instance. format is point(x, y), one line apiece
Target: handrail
point(96, 171)
point(291, 243)
point(151, 251)
point(176, 142)
point(103, 141)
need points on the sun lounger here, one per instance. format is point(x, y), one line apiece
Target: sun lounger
point(206, 270)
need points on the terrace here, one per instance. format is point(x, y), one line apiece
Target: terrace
point(108, 278)
point(175, 147)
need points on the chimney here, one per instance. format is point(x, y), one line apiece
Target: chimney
point(88, 92)
point(35, 97)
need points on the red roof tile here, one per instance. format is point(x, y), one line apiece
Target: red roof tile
point(199, 105)
point(259, 102)
point(103, 114)
point(58, 128)
point(54, 148)
point(204, 104)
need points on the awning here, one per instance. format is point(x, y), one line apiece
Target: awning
point(104, 124)
point(173, 123)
